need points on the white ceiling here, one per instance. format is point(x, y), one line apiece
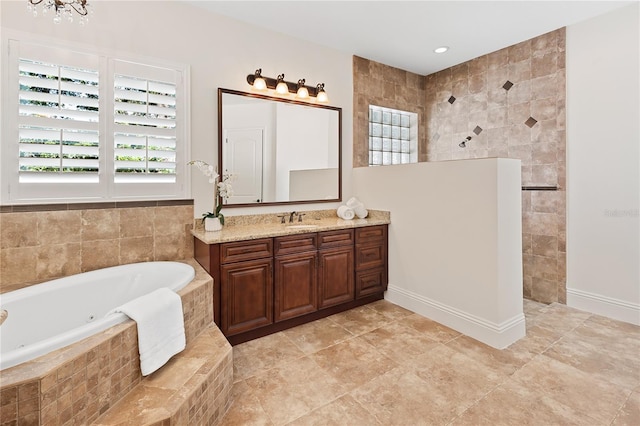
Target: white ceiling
point(403, 34)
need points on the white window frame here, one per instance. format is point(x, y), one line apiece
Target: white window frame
point(14, 192)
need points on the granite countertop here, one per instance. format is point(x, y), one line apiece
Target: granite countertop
point(252, 228)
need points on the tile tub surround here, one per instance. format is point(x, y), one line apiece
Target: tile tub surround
point(512, 104)
point(194, 388)
point(383, 365)
point(250, 227)
point(43, 242)
point(83, 380)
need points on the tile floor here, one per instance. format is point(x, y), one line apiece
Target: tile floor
point(383, 365)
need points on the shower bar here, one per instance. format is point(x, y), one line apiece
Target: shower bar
point(539, 188)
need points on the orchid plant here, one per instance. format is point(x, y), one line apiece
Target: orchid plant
point(222, 187)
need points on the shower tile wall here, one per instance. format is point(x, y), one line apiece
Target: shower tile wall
point(512, 104)
point(382, 85)
point(37, 246)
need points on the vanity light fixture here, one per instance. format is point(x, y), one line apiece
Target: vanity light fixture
point(62, 8)
point(302, 92)
point(441, 49)
point(282, 87)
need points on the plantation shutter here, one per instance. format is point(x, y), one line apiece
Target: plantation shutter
point(145, 123)
point(58, 119)
point(84, 126)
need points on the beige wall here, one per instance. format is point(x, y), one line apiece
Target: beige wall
point(603, 170)
point(456, 261)
point(37, 246)
point(220, 51)
point(536, 69)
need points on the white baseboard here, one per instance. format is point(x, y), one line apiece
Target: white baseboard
point(495, 335)
point(603, 305)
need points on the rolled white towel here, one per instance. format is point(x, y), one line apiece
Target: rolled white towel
point(361, 212)
point(354, 202)
point(346, 213)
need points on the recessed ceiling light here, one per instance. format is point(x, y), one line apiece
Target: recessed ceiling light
point(441, 49)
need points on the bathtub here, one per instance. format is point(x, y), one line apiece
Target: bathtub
point(51, 315)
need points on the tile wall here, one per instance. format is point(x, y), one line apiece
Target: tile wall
point(44, 242)
point(382, 85)
point(510, 103)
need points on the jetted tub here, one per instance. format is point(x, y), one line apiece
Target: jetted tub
point(51, 315)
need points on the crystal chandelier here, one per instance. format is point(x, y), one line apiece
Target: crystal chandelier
point(63, 9)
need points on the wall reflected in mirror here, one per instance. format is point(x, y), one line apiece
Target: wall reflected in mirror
point(279, 151)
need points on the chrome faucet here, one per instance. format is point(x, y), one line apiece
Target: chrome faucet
point(293, 213)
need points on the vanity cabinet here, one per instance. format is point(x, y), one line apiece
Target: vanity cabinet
point(267, 285)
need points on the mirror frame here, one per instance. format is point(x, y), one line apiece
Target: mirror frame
point(222, 91)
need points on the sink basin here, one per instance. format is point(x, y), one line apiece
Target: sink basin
point(301, 226)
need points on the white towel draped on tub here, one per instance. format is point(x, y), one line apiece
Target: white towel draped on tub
point(160, 327)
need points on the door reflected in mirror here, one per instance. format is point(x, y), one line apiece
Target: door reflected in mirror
point(279, 151)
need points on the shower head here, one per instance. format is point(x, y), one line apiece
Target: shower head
point(463, 144)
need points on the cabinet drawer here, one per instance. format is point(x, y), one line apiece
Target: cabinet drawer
point(370, 281)
point(295, 243)
point(246, 250)
point(370, 256)
point(343, 237)
point(371, 233)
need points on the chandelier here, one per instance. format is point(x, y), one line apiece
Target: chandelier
point(62, 9)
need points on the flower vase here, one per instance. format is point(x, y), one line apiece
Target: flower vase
point(212, 224)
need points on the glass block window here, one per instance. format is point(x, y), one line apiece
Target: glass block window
point(393, 136)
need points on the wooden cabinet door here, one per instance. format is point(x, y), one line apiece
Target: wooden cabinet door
point(247, 295)
point(295, 285)
point(335, 276)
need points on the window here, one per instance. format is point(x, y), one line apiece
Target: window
point(393, 136)
point(82, 126)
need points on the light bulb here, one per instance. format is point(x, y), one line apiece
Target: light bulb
point(302, 92)
point(321, 95)
point(259, 83)
point(281, 87)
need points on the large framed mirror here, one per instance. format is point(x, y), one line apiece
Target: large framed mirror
point(279, 151)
